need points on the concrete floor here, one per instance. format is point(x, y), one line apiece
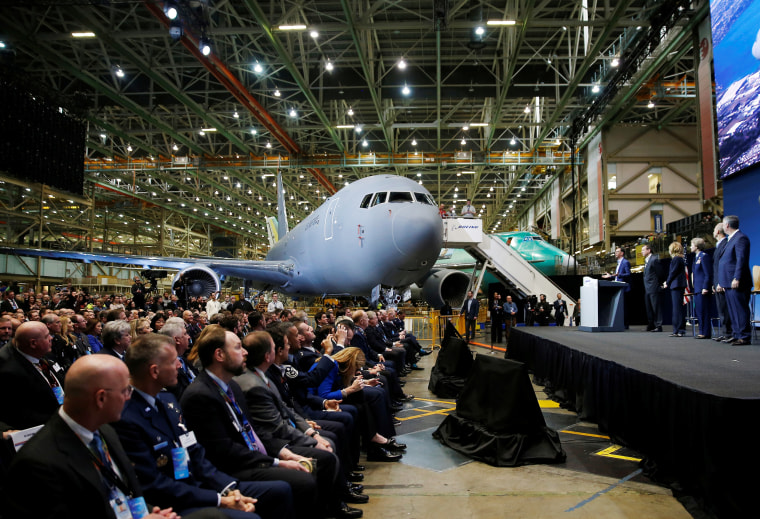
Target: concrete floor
point(598, 480)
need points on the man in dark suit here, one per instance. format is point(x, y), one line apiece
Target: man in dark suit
point(497, 318)
point(9, 303)
point(76, 458)
point(720, 294)
point(654, 275)
point(216, 410)
point(623, 275)
point(138, 293)
point(702, 272)
point(174, 328)
point(470, 310)
point(30, 385)
point(736, 280)
point(279, 425)
point(543, 311)
point(116, 338)
point(151, 430)
point(560, 310)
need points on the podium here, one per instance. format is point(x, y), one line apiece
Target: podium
point(602, 305)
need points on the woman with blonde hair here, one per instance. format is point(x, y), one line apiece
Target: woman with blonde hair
point(676, 282)
point(139, 327)
point(345, 382)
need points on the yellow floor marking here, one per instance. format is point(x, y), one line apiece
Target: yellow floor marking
point(434, 401)
point(586, 434)
point(548, 404)
point(427, 413)
point(608, 453)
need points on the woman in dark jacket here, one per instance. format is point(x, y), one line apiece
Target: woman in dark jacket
point(676, 282)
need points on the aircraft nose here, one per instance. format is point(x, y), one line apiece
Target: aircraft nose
point(418, 233)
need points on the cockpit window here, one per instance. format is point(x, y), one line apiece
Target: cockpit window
point(379, 198)
point(365, 201)
point(424, 198)
point(400, 197)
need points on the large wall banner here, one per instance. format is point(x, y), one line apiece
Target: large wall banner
point(595, 191)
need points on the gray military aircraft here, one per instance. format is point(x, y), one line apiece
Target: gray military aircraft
point(382, 231)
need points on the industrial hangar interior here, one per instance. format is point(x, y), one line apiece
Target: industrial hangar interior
point(186, 110)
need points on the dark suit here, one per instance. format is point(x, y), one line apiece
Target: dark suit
point(53, 476)
point(470, 310)
point(720, 297)
point(27, 399)
point(654, 275)
point(734, 264)
point(497, 319)
point(148, 436)
point(677, 284)
point(560, 312)
point(185, 375)
point(107, 350)
point(702, 273)
point(208, 415)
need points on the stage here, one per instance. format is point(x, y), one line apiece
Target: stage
point(690, 406)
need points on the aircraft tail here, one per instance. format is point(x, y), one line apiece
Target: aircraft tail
point(282, 216)
point(272, 233)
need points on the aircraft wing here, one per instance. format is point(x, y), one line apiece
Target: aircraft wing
point(268, 272)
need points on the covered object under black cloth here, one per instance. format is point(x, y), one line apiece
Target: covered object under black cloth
point(452, 366)
point(498, 420)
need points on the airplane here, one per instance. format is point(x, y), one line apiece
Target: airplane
point(380, 232)
point(531, 246)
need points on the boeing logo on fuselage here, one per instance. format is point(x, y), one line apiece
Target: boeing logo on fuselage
point(466, 227)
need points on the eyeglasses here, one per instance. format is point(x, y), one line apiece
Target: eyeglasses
point(126, 392)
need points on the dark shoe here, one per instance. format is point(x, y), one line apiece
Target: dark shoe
point(396, 421)
point(394, 446)
point(356, 488)
point(406, 398)
point(720, 339)
point(680, 334)
point(424, 352)
point(702, 337)
point(355, 477)
point(346, 512)
point(397, 406)
point(673, 335)
point(729, 340)
point(402, 383)
point(355, 497)
point(415, 367)
point(656, 329)
point(377, 453)
point(741, 342)
point(359, 468)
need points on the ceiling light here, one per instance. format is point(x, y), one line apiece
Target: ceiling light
point(465, 127)
point(512, 142)
point(253, 131)
point(329, 66)
point(293, 112)
point(236, 115)
point(314, 34)
point(129, 147)
point(170, 10)
point(365, 143)
point(406, 91)
point(414, 142)
point(478, 124)
point(201, 133)
point(119, 71)
point(527, 109)
point(83, 34)
point(277, 92)
point(345, 126)
point(358, 128)
point(615, 62)
point(257, 68)
point(479, 30)
point(269, 144)
point(208, 129)
point(2, 44)
point(205, 46)
point(295, 27)
point(350, 111)
point(501, 22)
point(463, 141)
point(650, 104)
point(175, 147)
point(595, 89)
point(401, 64)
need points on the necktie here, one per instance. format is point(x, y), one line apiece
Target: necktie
point(189, 373)
point(44, 368)
point(96, 445)
point(247, 429)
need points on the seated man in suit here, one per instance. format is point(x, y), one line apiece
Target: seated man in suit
point(176, 330)
point(116, 338)
point(76, 458)
point(216, 410)
point(30, 385)
point(279, 425)
point(169, 462)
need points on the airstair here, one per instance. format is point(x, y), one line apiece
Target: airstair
point(502, 260)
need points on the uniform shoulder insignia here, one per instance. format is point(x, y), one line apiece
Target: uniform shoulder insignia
point(291, 372)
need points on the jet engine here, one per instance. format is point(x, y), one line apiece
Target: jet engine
point(442, 285)
point(198, 280)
